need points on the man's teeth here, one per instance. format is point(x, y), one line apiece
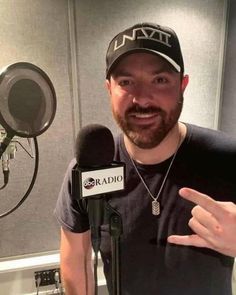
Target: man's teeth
point(144, 115)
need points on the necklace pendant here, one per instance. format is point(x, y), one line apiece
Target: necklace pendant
point(155, 208)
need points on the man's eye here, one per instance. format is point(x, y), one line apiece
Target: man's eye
point(125, 82)
point(160, 80)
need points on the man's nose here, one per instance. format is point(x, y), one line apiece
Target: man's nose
point(142, 95)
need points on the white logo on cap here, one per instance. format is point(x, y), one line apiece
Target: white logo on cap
point(145, 33)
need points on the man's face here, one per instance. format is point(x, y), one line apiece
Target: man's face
point(146, 98)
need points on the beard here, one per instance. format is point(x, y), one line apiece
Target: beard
point(149, 136)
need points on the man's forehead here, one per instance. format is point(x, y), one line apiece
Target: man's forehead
point(152, 62)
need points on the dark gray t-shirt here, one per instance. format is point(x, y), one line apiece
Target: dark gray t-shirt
point(149, 265)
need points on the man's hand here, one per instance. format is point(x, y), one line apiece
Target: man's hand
point(214, 224)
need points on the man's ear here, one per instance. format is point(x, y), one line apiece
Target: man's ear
point(184, 82)
point(108, 85)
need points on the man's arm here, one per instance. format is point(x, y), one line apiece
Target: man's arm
point(76, 263)
point(213, 222)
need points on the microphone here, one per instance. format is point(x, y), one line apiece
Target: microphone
point(7, 155)
point(96, 174)
point(94, 146)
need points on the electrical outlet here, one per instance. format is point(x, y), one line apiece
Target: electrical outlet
point(47, 277)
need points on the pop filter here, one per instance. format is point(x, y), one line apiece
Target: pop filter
point(27, 100)
point(27, 109)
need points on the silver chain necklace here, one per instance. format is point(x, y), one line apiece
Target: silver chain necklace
point(155, 203)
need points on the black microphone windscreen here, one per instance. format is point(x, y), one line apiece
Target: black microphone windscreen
point(94, 146)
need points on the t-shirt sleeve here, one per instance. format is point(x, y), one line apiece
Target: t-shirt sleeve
point(70, 212)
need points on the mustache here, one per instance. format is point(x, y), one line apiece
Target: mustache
point(140, 110)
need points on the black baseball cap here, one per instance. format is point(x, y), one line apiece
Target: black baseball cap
point(145, 37)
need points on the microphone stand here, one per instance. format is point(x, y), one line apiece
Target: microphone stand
point(116, 229)
point(96, 208)
point(100, 212)
point(95, 212)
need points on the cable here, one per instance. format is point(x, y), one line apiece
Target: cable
point(31, 184)
point(6, 178)
point(57, 282)
point(38, 281)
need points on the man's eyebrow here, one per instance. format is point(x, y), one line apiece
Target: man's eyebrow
point(125, 73)
point(121, 73)
point(164, 69)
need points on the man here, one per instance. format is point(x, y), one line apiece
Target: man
point(164, 158)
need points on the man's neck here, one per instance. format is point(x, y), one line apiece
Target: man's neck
point(160, 153)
